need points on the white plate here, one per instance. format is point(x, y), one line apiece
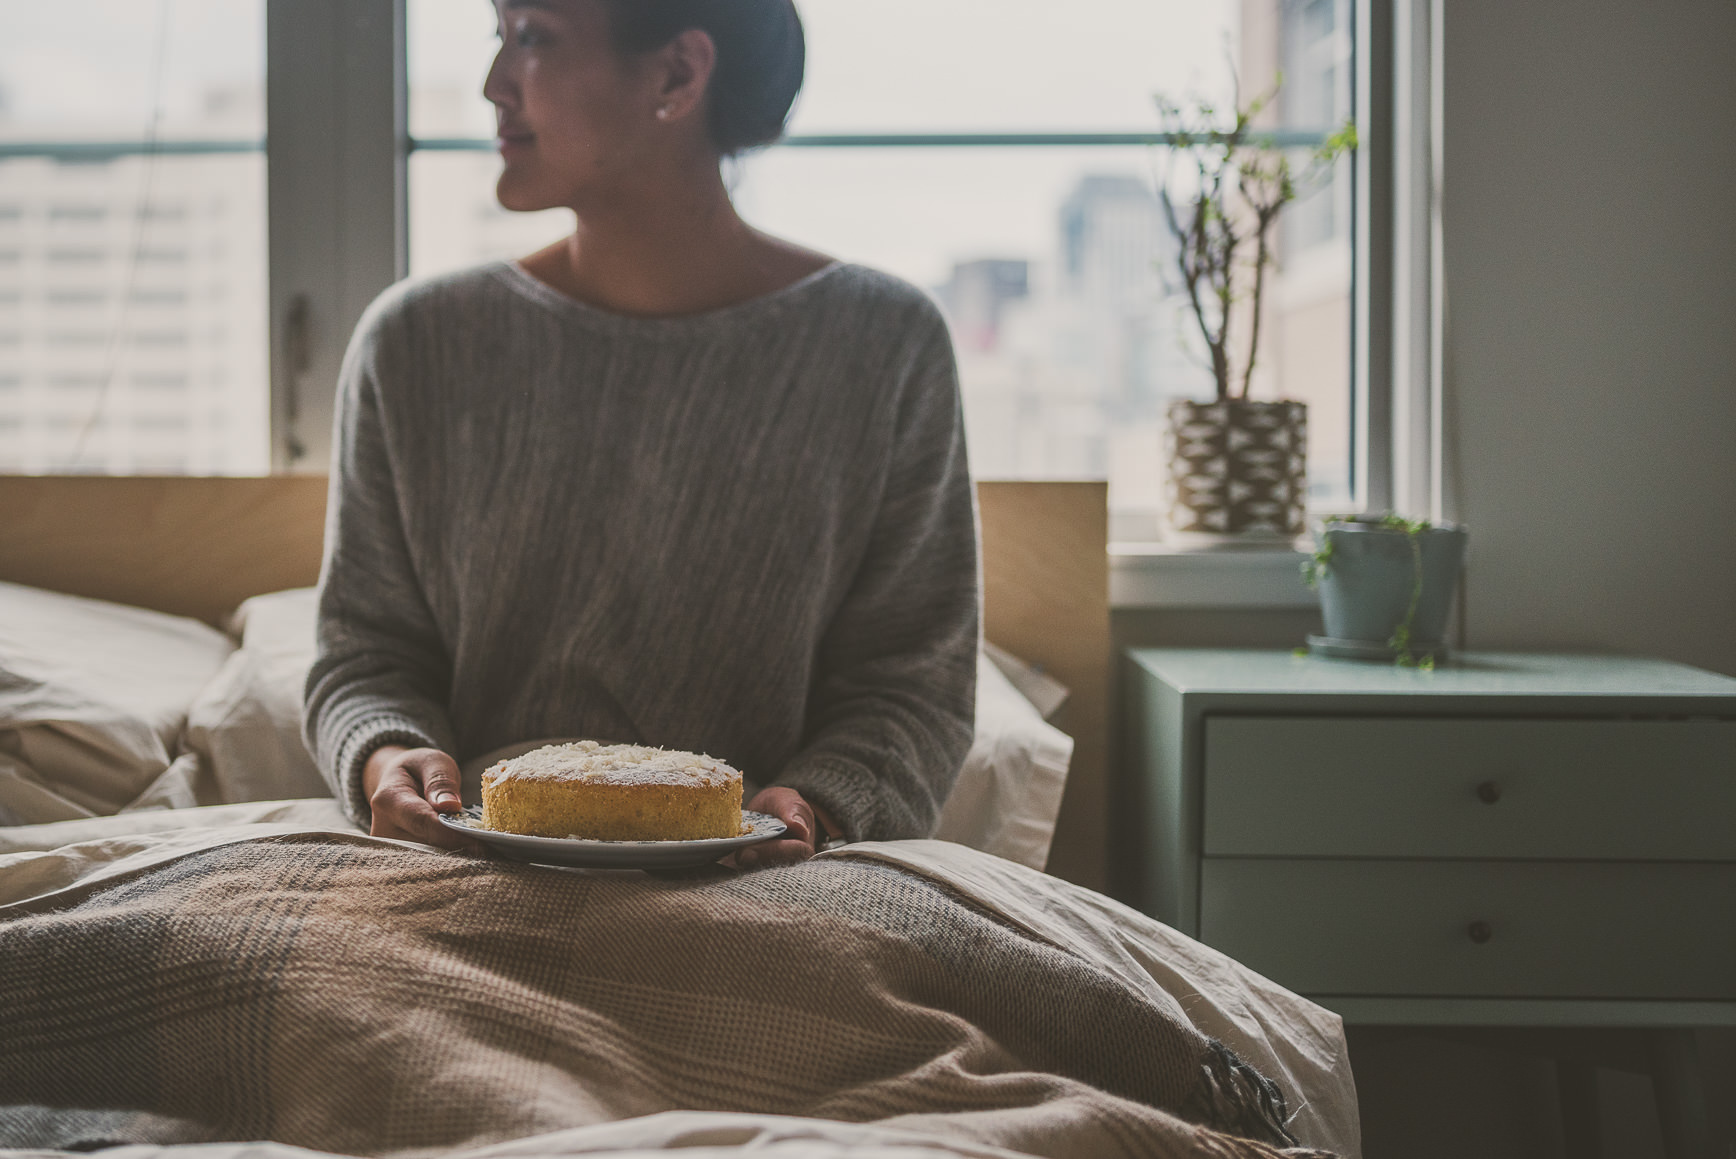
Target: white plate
point(614, 854)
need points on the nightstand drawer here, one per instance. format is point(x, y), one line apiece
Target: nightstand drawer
point(1434, 787)
point(1510, 929)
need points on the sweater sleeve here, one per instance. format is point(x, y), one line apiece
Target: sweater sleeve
point(891, 709)
point(382, 674)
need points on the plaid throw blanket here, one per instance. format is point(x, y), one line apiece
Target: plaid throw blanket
point(367, 999)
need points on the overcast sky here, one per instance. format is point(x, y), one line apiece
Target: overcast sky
point(918, 65)
point(86, 67)
point(927, 64)
point(873, 64)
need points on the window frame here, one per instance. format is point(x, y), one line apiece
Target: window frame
point(337, 164)
point(335, 80)
point(337, 158)
point(1400, 427)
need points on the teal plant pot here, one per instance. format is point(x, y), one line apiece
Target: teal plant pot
point(1369, 579)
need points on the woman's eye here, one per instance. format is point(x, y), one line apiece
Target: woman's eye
point(526, 36)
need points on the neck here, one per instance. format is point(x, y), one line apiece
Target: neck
point(670, 244)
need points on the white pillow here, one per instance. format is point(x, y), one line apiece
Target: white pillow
point(1009, 791)
point(246, 724)
point(93, 698)
point(1045, 693)
point(247, 728)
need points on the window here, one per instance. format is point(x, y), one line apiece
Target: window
point(1309, 349)
point(1002, 160)
point(1045, 247)
point(121, 123)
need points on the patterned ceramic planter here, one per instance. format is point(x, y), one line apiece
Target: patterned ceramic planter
point(1238, 470)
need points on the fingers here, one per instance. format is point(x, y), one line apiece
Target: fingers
point(769, 854)
point(824, 823)
point(788, 806)
point(438, 774)
point(402, 810)
point(797, 844)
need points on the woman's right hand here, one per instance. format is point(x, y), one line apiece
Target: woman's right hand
point(407, 789)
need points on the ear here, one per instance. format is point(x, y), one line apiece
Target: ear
point(687, 64)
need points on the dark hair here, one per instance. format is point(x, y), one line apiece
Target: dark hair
point(761, 55)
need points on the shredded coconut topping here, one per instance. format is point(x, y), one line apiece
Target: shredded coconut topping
point(619, 764)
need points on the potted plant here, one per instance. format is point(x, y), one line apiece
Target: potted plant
point(1238, 469)
point(1386, 587)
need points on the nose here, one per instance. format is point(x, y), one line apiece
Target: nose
point(497, 87)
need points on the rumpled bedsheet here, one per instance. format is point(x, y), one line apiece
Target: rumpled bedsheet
point(349, 995)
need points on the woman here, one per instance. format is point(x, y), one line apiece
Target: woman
point(669, 481)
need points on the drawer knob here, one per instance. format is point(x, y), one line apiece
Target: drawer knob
point(1480, 932)
point(1488, 792)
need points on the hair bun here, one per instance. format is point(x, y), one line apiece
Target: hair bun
point(761, 59)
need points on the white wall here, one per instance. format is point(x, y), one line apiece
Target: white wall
point(1590, 242)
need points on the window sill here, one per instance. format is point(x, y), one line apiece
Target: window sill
point(1152, 575)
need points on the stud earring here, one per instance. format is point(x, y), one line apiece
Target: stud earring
point(664, 113)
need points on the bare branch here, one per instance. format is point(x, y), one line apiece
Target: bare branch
point(1262, 258)
point(1243, 181)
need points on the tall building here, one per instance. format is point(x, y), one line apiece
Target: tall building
point(1112, 237)
point(1083, 358)
point(1118, 259)
point(976, 298)
point(133, 328)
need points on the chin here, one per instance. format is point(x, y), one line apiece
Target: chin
point(520, 194)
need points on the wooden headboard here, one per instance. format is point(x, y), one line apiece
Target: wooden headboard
point(199, 546)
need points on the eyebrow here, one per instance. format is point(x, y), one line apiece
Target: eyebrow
point(543, 4)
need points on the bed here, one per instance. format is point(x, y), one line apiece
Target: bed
point(258, 970)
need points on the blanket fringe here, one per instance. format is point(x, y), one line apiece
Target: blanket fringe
point(1240, 1100)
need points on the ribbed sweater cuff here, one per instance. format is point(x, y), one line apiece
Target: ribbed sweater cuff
point(359, 744)
point(843, 791)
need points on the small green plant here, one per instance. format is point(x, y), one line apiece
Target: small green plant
point(1315, 567)
point(1401, 635)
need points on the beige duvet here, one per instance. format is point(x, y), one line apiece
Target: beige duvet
point(907, 998)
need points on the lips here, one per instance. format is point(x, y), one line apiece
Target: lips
point(513, 140)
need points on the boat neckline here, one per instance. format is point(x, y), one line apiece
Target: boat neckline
point(529, 285)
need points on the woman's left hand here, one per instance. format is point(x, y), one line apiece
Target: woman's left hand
point(799, 842)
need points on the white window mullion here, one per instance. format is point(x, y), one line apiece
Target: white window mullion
point(1442, 494)
point(1417, 306)
point(1372, 352)
point(335, 164)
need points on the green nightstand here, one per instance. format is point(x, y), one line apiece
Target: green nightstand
point(1512, 840)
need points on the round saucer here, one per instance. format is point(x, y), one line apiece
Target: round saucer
point(1368, 650)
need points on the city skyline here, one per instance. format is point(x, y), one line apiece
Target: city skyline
point(1067, 379)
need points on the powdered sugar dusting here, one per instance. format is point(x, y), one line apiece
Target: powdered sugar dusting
point(620, 764)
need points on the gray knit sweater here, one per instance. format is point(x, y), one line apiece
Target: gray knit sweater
point(749, 533)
